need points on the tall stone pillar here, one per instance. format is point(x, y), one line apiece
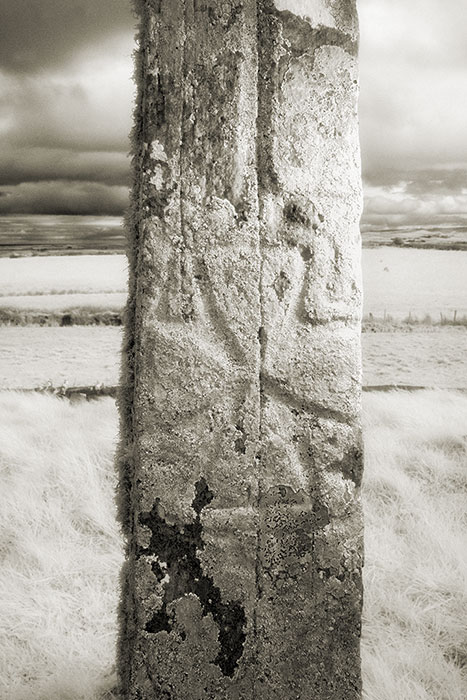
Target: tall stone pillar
point(240, 452)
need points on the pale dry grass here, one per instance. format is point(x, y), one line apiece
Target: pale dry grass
point(415, 503)
point(61, 550)
point(65, 274)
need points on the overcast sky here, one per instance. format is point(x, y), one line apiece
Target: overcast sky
point(66, 99)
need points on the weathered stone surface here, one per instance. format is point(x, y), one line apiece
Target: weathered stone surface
point(240, 448)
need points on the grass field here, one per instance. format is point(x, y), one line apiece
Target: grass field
point(61, 549)
point(31, 356)
point(397, 282)
point(51, 275)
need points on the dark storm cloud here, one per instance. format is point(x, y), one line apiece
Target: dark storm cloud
point(37, 35)
point(69, 123)
point(38, 164)
point(84, 104)
point(66, 99)
point(62, 197)
point(438, 181)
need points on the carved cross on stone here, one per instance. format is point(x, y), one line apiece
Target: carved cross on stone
point(240, 453)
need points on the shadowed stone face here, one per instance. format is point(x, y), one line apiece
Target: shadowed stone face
point(240, 454)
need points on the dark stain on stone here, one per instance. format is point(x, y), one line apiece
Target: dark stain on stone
point(155, 105)
point(328, 572)
point(177, 547)
point(306, 253)
point(321, 515)
point(269, 36)
point(263, 339)
point(242, 209)
point(156, 201)
point(303, 38)
point(218, 16)
point(160, 621)
point(156, 6)
point(240, 442)
point(351, 466)
point(240, 204)
point(281, 285)
point(294, 213)
point(157, 570)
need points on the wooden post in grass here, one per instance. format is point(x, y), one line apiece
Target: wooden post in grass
point(240, 453)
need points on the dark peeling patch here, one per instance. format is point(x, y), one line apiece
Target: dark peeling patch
point(176, 548)
point(158, 571)
point(306, 253)
point(294, 213)
point(155, 5)
point(321, 514)
point(155, 105)
point(351, 466)
point(329, 572)
point(156, 200)
point(242, 209)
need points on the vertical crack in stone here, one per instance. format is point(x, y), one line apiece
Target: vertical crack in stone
point(181, 172)
point(267, 180)
point(177, 547)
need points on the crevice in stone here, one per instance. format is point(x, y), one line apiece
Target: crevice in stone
point(240, 442)
point(177, 548)
point(217, 317)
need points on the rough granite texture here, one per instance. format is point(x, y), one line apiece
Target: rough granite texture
point(240, 456)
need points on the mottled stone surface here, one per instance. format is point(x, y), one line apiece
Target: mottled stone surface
point(240, 452)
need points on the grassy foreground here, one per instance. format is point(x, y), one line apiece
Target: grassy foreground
point(61, 550)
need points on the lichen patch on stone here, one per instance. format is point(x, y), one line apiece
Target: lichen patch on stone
point(178, 565)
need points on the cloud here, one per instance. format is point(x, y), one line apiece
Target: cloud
point(413, 76)
point(390, 209)
point(36, 36)
point(63, 197)
point(66, 99)
point(37, 164)
point(85, 105)
point(64, 133)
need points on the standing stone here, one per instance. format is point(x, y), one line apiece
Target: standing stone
point(240, 452)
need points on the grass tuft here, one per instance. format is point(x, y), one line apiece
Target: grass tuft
point(415, 492)
point(79, 316)
point(60, 547)
point(388, 323)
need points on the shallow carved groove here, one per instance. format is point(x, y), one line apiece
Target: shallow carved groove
point(300, 404)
